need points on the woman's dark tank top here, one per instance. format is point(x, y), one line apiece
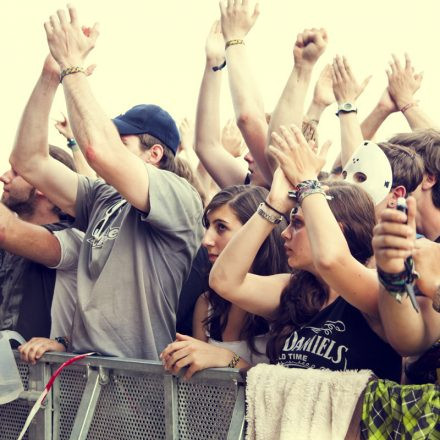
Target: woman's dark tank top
point(339, 338)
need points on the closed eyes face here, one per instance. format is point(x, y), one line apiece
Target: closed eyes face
point(222, 226)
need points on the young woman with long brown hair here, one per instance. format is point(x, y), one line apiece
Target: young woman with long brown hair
point(325, 313)
point(224, 333)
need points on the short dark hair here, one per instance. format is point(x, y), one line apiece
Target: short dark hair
point(168, 160)
point(62, 156)
point(406, 165)
point(427, 144)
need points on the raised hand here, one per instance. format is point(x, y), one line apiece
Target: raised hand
point(69, 43)
point(323, 94)
point(403, 83)
point(63, 127)
point(393, 239)
point(237, 18)
point(186, 130)
point(345, 86)
point(215, 45)
point(232, 140)
point(297, 159)
point(309, 46)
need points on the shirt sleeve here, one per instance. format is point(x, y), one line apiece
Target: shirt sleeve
point(90, 192)
point(174, 204)
point(70, 242)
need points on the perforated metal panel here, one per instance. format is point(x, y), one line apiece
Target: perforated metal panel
point(130, 407)
point(72, 383)
point(14, 414)
point(205, 410)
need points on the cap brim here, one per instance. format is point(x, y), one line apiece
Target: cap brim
point(124, 128)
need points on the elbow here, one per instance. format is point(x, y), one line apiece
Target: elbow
point(247, 119)
point(243, 119)
point(219, 283)
point(328, 262)
point(25, 167)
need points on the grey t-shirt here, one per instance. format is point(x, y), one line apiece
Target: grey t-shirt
point(64, 294)
point(132, 265)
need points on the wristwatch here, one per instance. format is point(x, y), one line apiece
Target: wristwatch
point(346, 107)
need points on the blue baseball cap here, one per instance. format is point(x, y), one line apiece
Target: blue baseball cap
point(149, 119)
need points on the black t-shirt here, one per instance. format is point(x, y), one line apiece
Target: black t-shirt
point(339, 338)
point(195, 285)
point(26, 292)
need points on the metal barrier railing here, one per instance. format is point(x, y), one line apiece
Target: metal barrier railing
point(113, 398)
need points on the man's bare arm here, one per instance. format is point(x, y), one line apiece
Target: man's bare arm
point(94, 132)
point(30, 156)
point(309, 46)
point(28, 240)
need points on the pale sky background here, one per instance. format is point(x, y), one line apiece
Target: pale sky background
point(153, 52)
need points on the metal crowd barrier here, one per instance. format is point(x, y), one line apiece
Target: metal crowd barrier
point(100, 398)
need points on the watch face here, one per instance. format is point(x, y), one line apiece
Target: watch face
point(347, 106)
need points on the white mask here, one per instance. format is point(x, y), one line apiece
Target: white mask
point(369, 168)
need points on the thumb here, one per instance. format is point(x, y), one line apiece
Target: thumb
point(365, 82)
point(325, 149)
point(90, 69)
point(256, 12)
point(94, 32)
point(180, 337)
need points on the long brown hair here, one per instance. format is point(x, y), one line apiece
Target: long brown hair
point(270, 259)
point(305, 294)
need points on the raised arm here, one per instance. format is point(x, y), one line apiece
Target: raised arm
point(331, 255)
point(403, 83)
point(28, 240)
point(323, 95)
point(94, 132)
point(30, 156)
point(81, 165)
point(377, 116)
point(230, 276)
point(236, 20)
point(409, 332)
point(347, 90)
point(221, 165)
point(309, 46)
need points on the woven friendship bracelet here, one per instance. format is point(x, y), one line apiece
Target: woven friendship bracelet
point(307, 188)
point(71, 70)
point(233, 43)
point(395, 283)
point(234, 361)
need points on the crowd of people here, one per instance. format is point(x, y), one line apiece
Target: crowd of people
point(207, 247)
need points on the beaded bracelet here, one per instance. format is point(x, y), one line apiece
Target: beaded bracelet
point(71, 70)
point(234, 361)
point(233, 43)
